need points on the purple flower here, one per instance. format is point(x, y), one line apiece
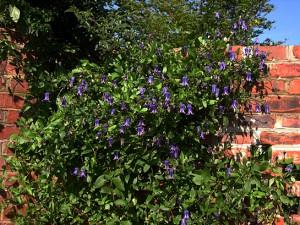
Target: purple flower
point(208, 68)
point(75, 172)
point(122, 128)
point(141, 122)
point(217, 92)
point(247, 52)
point(249, 77)
point(222, 66)
point(257, 108)
point(232, 56)
point(159, 52)
point(234, 104)
point(226, 91)
point(228, 171)
point(79, 91)
point(256, 42)
point(82, 173)
point(103, 79)
point(153, 108)
point(150, 80)
point(116, 155)
point(217, 216)
point(182, 222)
point(72, 80)
point(158, 143)
point(82, 82)
point(142, 91)
point(198, 129)
point(217, 15)
point(156, 70)
point(179, 201)
point(201, 136)
point(132, 69)
point(182, 108)
point(250, 106)
point(235, 26)
point(105, 97)
point(47, 97)
point(99, 135)
point(86, 86)
point(123, 106)
point(110, 141)
point(185, 81)
point(111, 101)
point(127, 122)
point(213, 88)
point(256, 51)
point(63, 102)
point(142, 47)
point(167, 94)
point(186, 214)
point(190, 109)
point(113, 111)
point(115, 83)
point(208, 55)
point(171, 174)
point(164, 90)
point(126, 77)
point(140, 130)
point(230, 48)
point(105, 126)
point(166, 163)
point(220, 109)
point(185, 48)
point(96, 122)
point(288, 168)
point(267, 109)
point(244, 26)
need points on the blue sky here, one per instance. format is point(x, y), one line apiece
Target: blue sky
point(287, 22)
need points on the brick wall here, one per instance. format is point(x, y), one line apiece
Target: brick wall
point(281, 128)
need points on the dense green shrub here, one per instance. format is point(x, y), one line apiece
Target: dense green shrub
point(130, 142)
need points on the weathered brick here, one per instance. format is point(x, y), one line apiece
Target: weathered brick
point(284, 104)
point(295, 219)
point(285, 70)
point(6, 131)
point(274, 52)
point(12, 116)
point(273, 138)
point(294, 87)
point(296, 51)
point(14, 101)
point(18, 85)
point(292, 121)
point(5, 150)
point(238, 138)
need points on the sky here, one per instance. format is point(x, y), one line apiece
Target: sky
point(287, 22)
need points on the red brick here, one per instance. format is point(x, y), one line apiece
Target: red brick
point(279, 220)
point(12, 116)
point(262, 121)
point(273, 138)
point(7, 131)
point(282, 154)
point(295, 219)
point(6, 223)
point(291, 121)
point(5, 150)
point(11, 101)
point(269, 87)
point(18, 85)
point(284, 104)
point(296, 188)
point(285, 70)
point(296, 51)
point(9, 182)
point(238, 50)
point(274, 52)
point(294, 87)
point(238, 138)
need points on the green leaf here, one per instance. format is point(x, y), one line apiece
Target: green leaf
point(146, 168)
point(247, 187)
point(126, 222)
point(14, 13)
point(100, 181)
point(120, 202)
point(171, 135)
point(118, 183)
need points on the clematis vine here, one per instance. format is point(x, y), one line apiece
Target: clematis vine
point(47, 97)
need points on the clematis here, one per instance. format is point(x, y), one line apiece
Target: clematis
point(110, 141)
point(190, 109)
point(249, 77)
point(217, 15)
point(103, 79)
point(267, 109)
point(221, 108)
point(186, 214)
point(213, 88)
point(232, 56)
point(99, 135)
point(150, 80)
point(234, 104)
point(86, 86)
point(257, 108)
point(228, 171)
point(288, 168)
point(111, 101)
point(113, 111)
point(105, 126)
point(116, 155)
point(208, 68)
point(183, 222)
point(105, 97)
point(75, 172)
point(122, 128)
point(256, 42)
point(96, 122)
point(82, 82)
point(140, 130)
point(185, 48)
point(142, 47)
point(198, 129)
point(171, 174)
point(217, 216)
point(182, 108)
point(123, 106)
point(166, 163)
point(217, 92)
point(141, 122)
point(179, 201)
point(250, 106)
point(225, 91)
point(167, 94)
point(47, 97)
point(153, 107)
point(159, 52)
point(164, 90)
point(63, 102)
point(79, 91)
point(247, 51)
point(201, 136)
point(222, 66)
point(72, 80)
point(185, 81)
point(235, 26)
point(115, 83)
point(127, 122)
point(256, 52)
point(158, 143)
point(142, 91)
point(82, 173)
point(208, 55)
point(244, 26)
point(132, 69)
